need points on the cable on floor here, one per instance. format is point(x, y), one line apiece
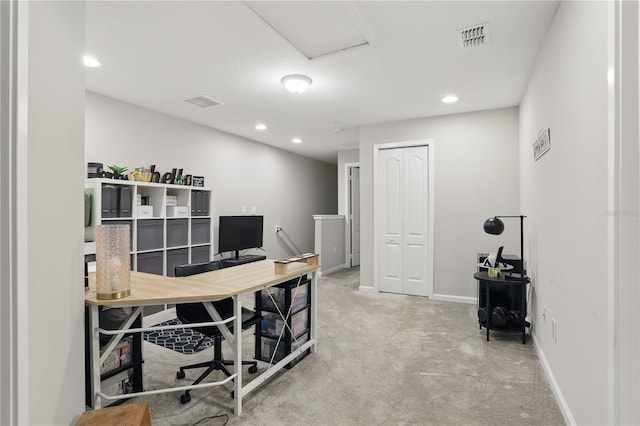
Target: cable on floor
point(226, 419)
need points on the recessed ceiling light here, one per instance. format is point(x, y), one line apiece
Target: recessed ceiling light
point(338, 130)
point(450, 99)
point(296, 140)
point(90, 61)
point(261, 126)
point(296, 83)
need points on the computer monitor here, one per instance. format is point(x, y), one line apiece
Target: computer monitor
point(239, 233)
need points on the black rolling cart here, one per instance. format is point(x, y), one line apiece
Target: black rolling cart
point(502, 303)
point(292, 299)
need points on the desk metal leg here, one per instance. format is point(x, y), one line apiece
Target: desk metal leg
point(94, 318)
point(237, 355)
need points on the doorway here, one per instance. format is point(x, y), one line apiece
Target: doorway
point(403, 218)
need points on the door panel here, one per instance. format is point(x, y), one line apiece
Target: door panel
point(415, 219)
point(391, 272)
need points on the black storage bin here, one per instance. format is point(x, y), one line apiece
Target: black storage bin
point(200, 231)
point(200, 254)
point(150, 234)
point(175, 258)
point(177, 232)
point(150, 262)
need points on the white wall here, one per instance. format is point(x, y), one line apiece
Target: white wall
point(330, 242)
point(476, 177)
point(565, 196)
point(50, 269)
point(286, 188)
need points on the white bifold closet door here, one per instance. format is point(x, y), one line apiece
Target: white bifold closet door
point(404, 209)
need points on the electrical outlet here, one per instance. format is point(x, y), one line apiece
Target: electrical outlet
point(554, 330)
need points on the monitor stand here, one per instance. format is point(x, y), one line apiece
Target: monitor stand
point(241, 260)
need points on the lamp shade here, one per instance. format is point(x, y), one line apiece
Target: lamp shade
point(493, 226)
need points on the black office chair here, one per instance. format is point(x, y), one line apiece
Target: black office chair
point(197, 313)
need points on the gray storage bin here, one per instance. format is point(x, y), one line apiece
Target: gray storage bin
point(150, 234)
point(150, 262)
point(177, 232)
point(200, 231)
point(200, 254)
point(175, 258)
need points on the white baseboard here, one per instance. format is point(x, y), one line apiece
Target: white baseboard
point(456, 299)
point(331, 270)
point(367, 289)
point(562, 402)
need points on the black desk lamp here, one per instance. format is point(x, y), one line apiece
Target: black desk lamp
point(495, 226)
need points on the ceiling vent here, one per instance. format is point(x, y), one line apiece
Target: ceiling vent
point(203, 101)
point(474, 36)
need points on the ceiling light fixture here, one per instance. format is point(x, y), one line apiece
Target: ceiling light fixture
point(450, 99)
point(90, 61)
point(261, 126)
point(296, 140)
point(296, 83)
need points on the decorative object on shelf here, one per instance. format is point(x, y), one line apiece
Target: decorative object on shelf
point(141, 174)
point(94, 170)
point(118, 172)
point(113, 262)
point(198, 181)
point(179, 180)
point(495, 226)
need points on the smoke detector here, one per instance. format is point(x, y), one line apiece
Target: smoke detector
point(202, 101)
point(475, 36)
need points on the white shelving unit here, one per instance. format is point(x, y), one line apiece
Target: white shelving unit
point(158, 242)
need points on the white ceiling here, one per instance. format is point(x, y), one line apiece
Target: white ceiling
point(156, 54)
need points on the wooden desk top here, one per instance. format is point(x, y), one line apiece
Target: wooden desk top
point(151, 289)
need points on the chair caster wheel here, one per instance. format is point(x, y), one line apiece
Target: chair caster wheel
point(180, 375)
point(185, 397)
point(253, 369)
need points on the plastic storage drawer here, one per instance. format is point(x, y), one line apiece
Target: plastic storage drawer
point(299, 298)
point(269, 346)
point(272, 323)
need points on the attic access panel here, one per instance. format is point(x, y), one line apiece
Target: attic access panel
point(315, 28)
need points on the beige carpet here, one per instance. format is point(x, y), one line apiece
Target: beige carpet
point(382, 359)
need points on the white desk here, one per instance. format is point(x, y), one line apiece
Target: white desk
point(149, 289)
